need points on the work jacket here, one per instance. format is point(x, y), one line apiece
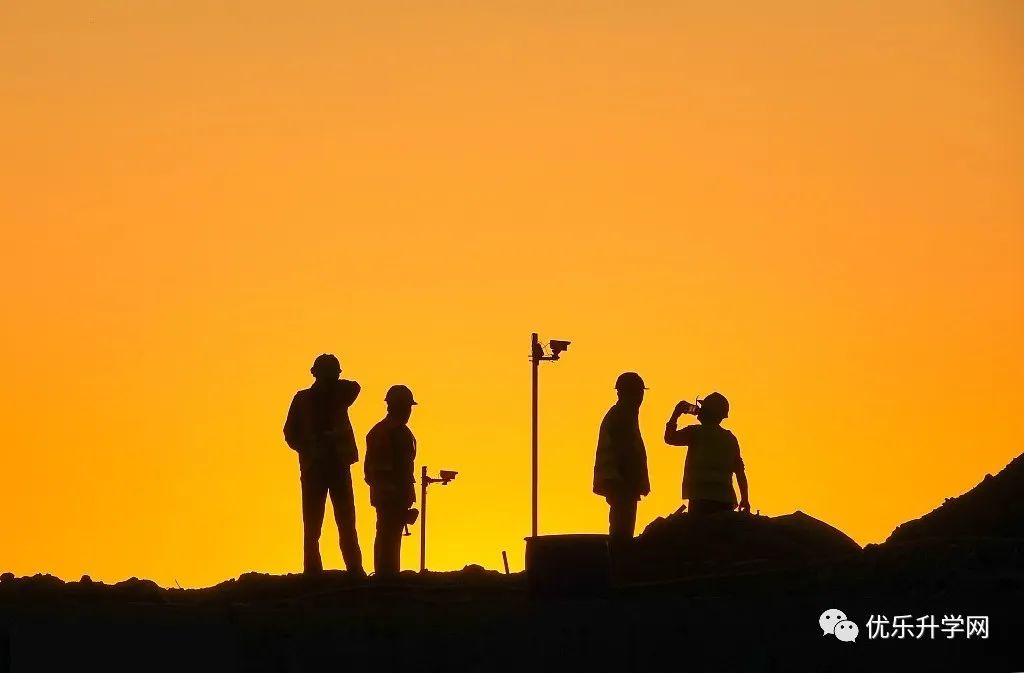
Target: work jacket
point(389, 465)
point(712, 458)
point(318, 426)
point(620, 467)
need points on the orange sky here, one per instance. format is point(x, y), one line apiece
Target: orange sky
point(815, 208)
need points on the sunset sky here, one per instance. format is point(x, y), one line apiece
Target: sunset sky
point(816, 208)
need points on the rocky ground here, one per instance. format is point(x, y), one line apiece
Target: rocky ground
point(733, 593)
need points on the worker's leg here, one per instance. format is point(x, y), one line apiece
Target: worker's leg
point(621, 518)
point(345, 517)
point(393, 550)
point(387, 545)
point(314, 500)
point(621, 522)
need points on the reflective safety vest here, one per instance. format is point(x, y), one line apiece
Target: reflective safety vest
point(712, 458)
point(620, 467)
point(389, 465)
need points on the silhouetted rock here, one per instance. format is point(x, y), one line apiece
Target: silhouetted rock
point(992, 509)
point(683, 544)
point(136, 590)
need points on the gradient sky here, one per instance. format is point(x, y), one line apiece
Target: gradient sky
point(815, 208)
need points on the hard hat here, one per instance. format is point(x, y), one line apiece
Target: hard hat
point(399, 395)
point(629, 381)
point(327, 363)
point(715, 405)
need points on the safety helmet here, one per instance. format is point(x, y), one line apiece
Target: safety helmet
point(715, 406)
point(399, 394)
point(325, 363)
point(629, 381)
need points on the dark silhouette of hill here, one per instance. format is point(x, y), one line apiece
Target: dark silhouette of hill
point(992, 509)
point(739, 619)
point(724, 592)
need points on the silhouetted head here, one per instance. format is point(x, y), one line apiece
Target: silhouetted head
point(326, 368)
point(630, 388)
point(713, 409)
point(400, 402)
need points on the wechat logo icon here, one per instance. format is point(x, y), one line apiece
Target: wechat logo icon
point(833, 622)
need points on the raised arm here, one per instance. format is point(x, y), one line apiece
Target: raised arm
point(673, 436)
point(349, 392)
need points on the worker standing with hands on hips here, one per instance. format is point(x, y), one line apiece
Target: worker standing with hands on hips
point(712, 458)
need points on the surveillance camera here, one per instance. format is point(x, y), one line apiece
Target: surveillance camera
point(448, 475)
point(557, 347)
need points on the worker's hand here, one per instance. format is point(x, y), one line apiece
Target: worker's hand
point(681, 408)
point(744, 505)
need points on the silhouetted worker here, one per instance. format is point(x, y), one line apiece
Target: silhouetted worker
point(318, 428)
point(390, 456)
point(712, 458)
point(620, 469)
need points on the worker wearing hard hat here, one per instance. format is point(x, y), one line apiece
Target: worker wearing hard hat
point(620, 468)
point(389, 469)
point(319, 430)
point(712, 458)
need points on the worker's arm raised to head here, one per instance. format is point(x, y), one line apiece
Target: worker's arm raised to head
point(673, 436)
point(349, 391)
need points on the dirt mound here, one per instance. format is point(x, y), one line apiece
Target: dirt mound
point(992, 509)
point(682, 544)
point(250, 587)
point(47, 587)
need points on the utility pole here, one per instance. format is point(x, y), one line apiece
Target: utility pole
point(536, 353)
point(536, 357)
point(423, 521)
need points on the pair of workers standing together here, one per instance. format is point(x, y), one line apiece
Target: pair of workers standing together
point(319, 430)
point(712, 458)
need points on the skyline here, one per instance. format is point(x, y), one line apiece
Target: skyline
point(813, 210)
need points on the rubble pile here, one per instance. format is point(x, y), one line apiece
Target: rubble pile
point(683, 545)
point(992, 509)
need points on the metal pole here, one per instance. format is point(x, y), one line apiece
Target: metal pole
point(534, 346)
point(423, 519)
